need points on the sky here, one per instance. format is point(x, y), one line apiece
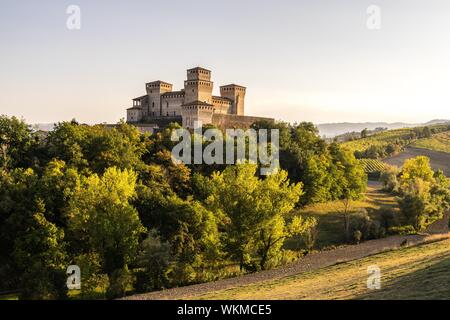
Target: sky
point(300, 60)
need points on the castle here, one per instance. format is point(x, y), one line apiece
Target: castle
point(160, 105)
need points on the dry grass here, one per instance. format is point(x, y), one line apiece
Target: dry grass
point(421, 272)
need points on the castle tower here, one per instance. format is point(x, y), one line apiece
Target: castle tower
point(154, 91)
point(235, 93)
point(198, 86)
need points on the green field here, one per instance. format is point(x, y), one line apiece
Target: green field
point(330, 217)
point(438, 142)
point(421, 272)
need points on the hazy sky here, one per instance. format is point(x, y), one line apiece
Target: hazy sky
point(310, 60)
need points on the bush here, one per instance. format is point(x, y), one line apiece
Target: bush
point(309, 237)
point(368, 228)
point(120, 282)
point(389, 179)
point(388, 217)
point(357, 236)
point(402, 230)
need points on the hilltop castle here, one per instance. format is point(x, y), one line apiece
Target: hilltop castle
point(160, 105)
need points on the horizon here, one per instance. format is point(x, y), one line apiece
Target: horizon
point(300, 61)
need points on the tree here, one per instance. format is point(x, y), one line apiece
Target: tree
point(39, 254)
point(252, 211)
point(18, 204)
point(96, 148)
point(352, 181)
point(425, 194)
point(415, 204)
point(364, 133)
point(155, 258)
point(416, 168)
point(16, 143)
point(100, 214)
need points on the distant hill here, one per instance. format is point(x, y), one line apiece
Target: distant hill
point(331, 130)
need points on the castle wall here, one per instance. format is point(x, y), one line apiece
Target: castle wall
point(232, 121)
point(134, 115)
point(190, 114)
point(222, 106)
point(171, 103)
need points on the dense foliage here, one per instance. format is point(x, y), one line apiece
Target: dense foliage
point(112, 201)
point(423, 194)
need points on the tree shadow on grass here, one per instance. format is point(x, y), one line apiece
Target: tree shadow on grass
point(431, 282)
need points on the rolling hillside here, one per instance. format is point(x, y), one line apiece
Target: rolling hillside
point(438, 142)
point(438, 160)
point(421, 272)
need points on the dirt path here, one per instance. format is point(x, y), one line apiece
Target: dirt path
point(307, 263)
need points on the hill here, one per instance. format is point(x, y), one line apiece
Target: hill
point(331, 130)
point(421, 272)
point(438, 142)
point(387, 143)
point(438, 160)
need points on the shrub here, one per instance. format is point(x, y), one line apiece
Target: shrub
point(369, 228)
point(402, 230)
point(120, 282)
point(388, 217)
point(309, 237)
point(357, 236)
point(388, 178)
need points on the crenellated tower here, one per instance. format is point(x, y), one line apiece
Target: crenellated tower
point(154, 91)
point(236, 94)
point(198, 86)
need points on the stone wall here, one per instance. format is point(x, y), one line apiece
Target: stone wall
point(232, 121)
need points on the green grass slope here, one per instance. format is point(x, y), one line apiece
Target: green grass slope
point(421, 272)
point(438, 142)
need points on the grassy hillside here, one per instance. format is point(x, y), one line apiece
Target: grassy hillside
point(329, 216)
point(392, 141)
point(382, 139)
point(421, 272)
point(438, 142)
point(438, 160)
